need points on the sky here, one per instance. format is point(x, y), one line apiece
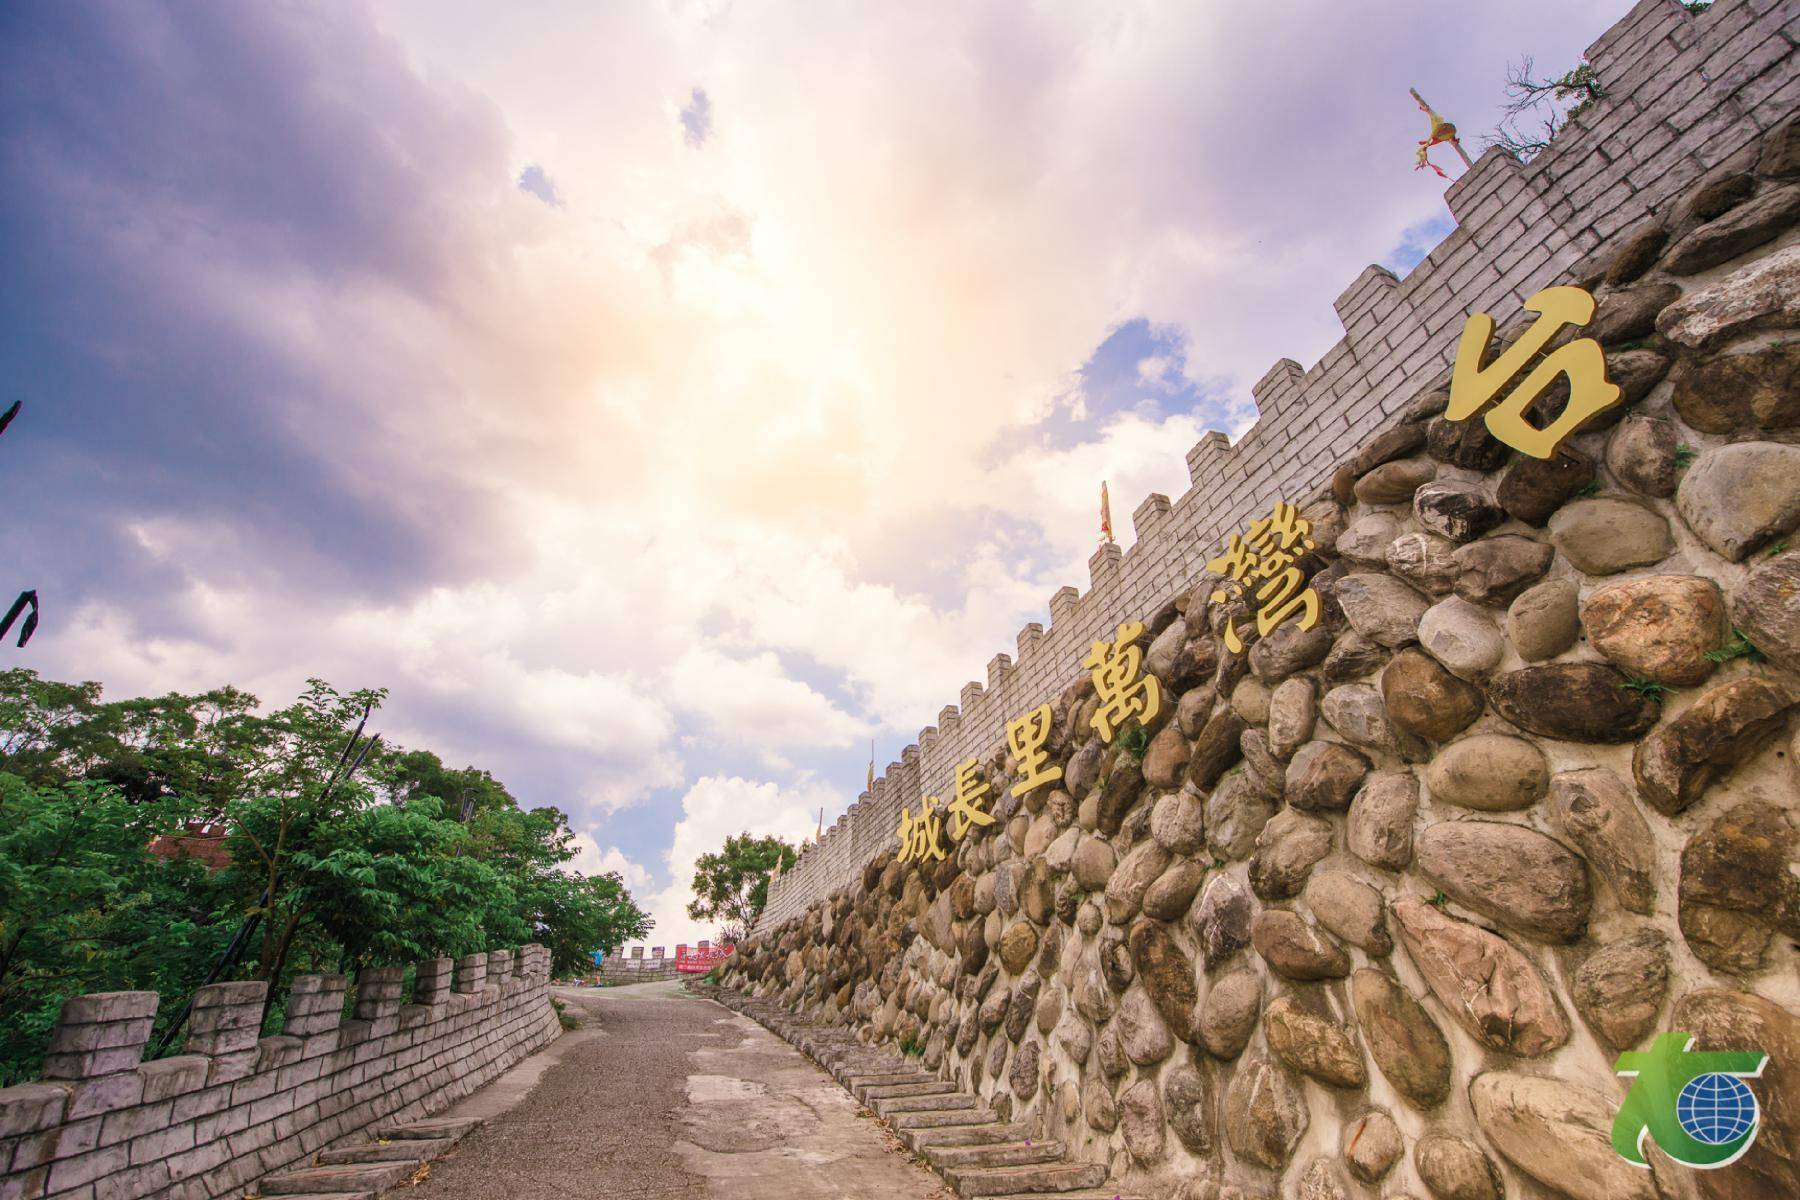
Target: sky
point(663, 401)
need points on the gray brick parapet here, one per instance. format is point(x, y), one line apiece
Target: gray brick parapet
point(1684, 92)
point(471, 974)
point(227, 1019)
point(210, 1122)
point(378, 993)
point(101, 1034)
point(431, 984)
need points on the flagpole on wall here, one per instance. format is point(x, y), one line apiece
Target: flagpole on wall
point(1441, 131)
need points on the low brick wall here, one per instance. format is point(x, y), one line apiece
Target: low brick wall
point(636, 970)
point(208, 1123)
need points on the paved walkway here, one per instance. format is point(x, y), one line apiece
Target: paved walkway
point(663, 1095)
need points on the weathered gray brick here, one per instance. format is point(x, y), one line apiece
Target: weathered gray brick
point(134, 1182)
point(169, 1077)
point(127, 1123)
point(162, 1143)
point(85, 1168)
point(228, 1068)
point(106, 1094)
point(30, 1107)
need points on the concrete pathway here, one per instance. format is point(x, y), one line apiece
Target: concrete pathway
point(663, 1095)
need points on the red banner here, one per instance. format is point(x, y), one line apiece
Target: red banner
point(699, 962)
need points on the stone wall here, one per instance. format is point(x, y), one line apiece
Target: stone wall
point(636, 970)
point(234, 1107)
point(1378, 905)
point(1684, 93)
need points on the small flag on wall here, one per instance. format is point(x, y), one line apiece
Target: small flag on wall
point(1106, 533)
point(1443, 133)
point(871, 784)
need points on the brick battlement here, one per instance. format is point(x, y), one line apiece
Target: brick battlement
point(236, 1106)
point(1684, 92)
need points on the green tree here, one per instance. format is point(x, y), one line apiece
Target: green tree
point(406, 774)
point(732, 885)
point(85, 907)
point(579, 914)
point(336, 860)
point(572, 914)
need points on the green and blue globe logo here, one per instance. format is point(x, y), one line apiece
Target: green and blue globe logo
point(1694, 1104)
point(1717, 1109)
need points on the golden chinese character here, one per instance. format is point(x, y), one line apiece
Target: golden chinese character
point(919, 836)
point(1268, 554)
point(965, 806)
point(1025, 737)
point(1123, 694)
point(1473, 387)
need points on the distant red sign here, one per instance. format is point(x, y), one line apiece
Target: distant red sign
point(699, 962)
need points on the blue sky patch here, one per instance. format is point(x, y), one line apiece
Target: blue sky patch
point(1416, 241)
point(533, 179)
point(696, 118)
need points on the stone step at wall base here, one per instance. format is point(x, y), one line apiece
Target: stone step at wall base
point(454, 1128)
point(919, 1104)
point(1001, 1154)
point(852, 1080)
point(859, 1079)
point(867, 1058)
point(936, 1120)
point(868, 1069)
point(896, 1091)
point(970, 1182)
point(415, 1150)
point(969, 1146)
point(966, 1135)
point(358, 1177)
point(863, 1055)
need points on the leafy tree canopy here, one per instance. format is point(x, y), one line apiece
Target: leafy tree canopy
point(336, 861)
point(732, 885)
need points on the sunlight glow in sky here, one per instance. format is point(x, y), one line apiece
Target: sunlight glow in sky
point(663, 400)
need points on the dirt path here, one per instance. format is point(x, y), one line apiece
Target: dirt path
point(662, 1095)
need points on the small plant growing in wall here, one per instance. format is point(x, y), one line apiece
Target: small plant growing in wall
point(562, 1014)
point(1738, 647)
point(1684, 455)
point(1439, 899)
point(1536, 109)
point(911, 1047)
point(1134, 740)
point(1648, 687)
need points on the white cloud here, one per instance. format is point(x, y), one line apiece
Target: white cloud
point(1154, 370)
point(769, 401)
point(718, 807)
point(755, 699)
point(590, 859)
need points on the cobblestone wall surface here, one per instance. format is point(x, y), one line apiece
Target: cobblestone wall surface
point(235, 1106)
point(1377, 906)
point(1685, 93)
